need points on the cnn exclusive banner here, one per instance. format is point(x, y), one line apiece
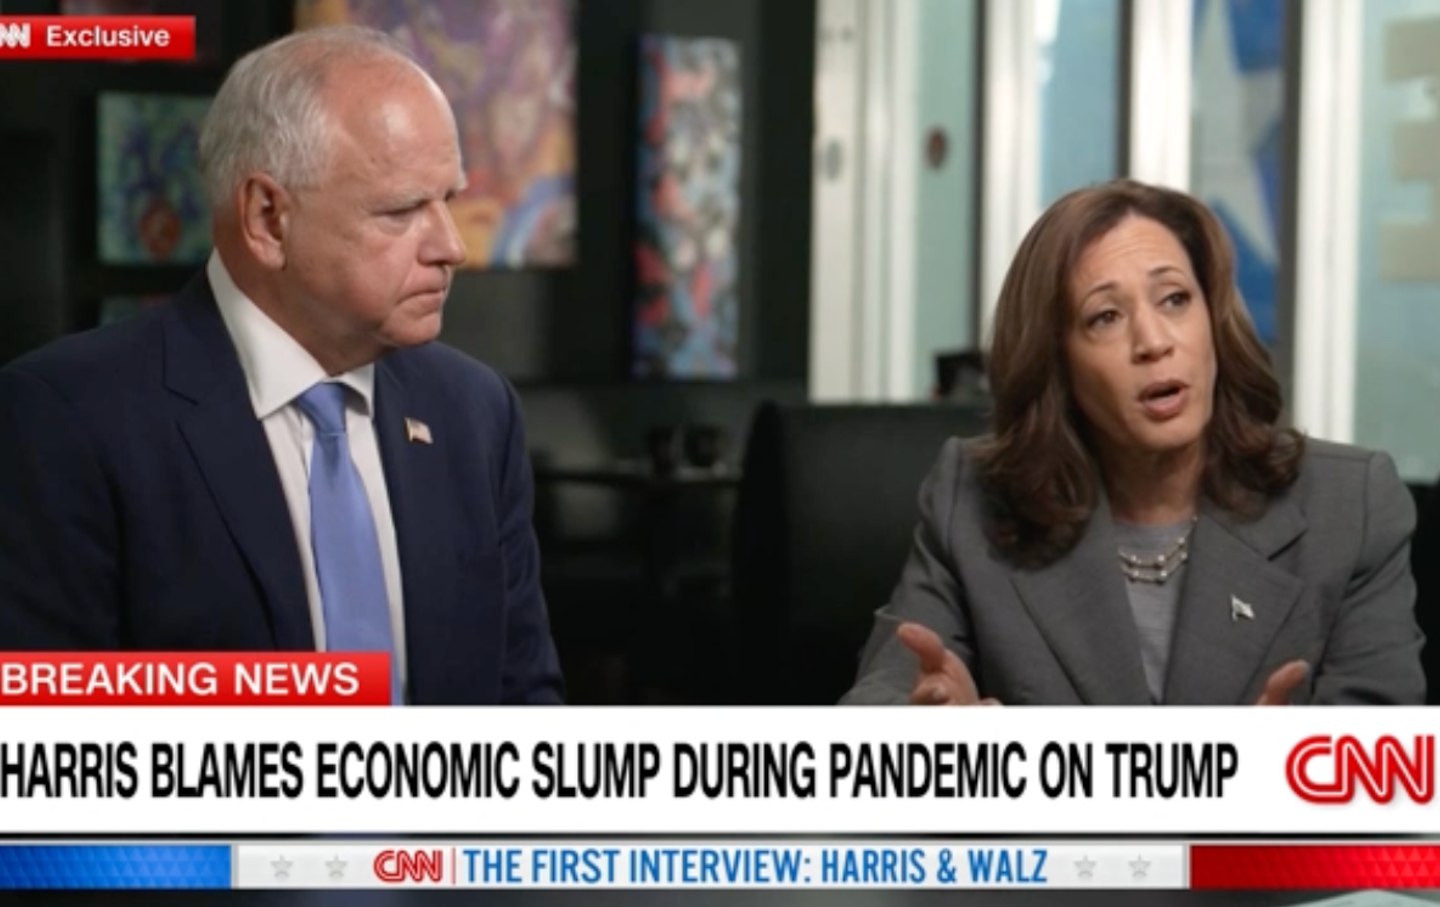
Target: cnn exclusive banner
point(809, 771)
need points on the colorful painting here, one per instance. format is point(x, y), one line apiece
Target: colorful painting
point(152, 204)
point(508, 68)
point(686, 257)
point(208, 17)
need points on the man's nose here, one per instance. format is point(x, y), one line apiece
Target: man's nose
point(443, 243)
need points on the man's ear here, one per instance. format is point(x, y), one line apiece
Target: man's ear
point(265, 208)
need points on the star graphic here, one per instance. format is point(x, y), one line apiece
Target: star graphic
point(1139, 868)
point(336, 867)
point(1235, 112)
point(282, 867)
point(1085, 868)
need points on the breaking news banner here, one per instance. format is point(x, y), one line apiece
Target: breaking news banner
point(97, 38)
point(189, 678)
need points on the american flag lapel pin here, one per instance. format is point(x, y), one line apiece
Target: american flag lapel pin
point(1239, 609)
point(417, 432)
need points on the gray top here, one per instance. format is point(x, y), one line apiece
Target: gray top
point(1153, 604)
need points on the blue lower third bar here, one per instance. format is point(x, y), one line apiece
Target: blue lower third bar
point(137, 866)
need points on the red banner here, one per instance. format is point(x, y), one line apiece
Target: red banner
point(1314, 867)
point(97, 38)
point(194, 678)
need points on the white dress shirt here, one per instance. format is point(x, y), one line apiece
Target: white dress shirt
point(277, 371)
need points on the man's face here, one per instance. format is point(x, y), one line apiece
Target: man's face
point(370, 248)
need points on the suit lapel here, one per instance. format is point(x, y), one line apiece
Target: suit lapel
point(446, 642)
point(1079, 604)
point(234, 457)
point(1234, 601)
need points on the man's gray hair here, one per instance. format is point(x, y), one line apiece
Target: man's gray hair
point(270, 116)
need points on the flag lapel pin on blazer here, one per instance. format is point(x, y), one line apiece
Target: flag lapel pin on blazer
point(1239, 609)
point(417, 432)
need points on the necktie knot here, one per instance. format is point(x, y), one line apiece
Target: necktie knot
point(324, 405)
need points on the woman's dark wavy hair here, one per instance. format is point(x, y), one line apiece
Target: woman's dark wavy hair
point(1039, 471)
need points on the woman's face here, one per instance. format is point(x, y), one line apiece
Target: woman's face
point(1138, 347)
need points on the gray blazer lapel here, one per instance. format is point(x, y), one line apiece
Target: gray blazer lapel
point(1080, 606)
point(1234, 601)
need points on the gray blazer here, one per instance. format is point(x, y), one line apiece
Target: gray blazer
point(1325, 569)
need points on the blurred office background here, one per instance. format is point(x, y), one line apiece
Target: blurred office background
point(746, 253)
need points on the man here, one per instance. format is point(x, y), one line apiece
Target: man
point(282, 459)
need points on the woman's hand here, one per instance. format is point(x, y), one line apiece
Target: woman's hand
point(943, 677)
point(1283, 682)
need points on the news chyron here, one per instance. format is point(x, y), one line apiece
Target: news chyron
point(258, 747)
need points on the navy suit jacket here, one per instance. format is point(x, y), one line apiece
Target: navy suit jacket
point(140, 508)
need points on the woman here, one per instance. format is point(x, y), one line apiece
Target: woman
point(1137, 529)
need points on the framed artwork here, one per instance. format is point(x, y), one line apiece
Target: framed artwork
point(152, 207)
point(508, 69)
point(688, 217)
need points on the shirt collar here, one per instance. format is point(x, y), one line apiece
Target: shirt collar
point(277, 368)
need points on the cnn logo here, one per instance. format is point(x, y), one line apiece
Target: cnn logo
point(15, 34)
point(409, 865)
point(1326, 769)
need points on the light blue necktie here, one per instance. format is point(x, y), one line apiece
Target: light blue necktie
point(342, 535)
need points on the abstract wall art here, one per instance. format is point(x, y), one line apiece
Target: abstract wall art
point(688, 209)
point(152, 207)
point(508, 69)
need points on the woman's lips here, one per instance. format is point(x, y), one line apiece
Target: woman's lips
point(1164, 399)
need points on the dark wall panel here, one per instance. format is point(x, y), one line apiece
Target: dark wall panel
point(31, 253)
